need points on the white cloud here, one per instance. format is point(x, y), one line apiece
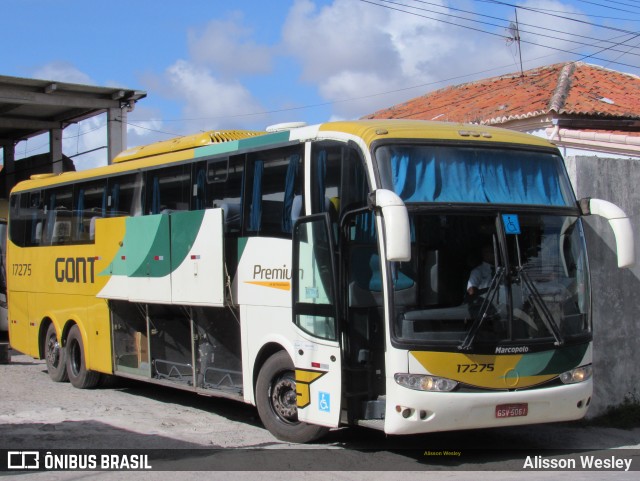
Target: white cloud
point(208, 101)
point(343, 36)
point(88, 138)
point(543, 41)
point(62, 72)
point(354, 49)
point(227, 47)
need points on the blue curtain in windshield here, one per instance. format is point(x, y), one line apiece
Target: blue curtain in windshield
point(477, 176)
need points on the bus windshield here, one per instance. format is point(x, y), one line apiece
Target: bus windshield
point(494, 279)
point(451, 173)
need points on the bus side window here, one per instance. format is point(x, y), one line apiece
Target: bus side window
point(125, 195)
point(326, 167)
point(25, 219)
point(272, 192)
point(168, 189)
point(90, 204)
point(37, 214)
point(225, 178)
point(199, 181)
point(292, 207)
point(59, 210)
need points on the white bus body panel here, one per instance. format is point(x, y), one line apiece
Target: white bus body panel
point(448, 411)
point(264, 272)
point(318, 380)
point(199, 279)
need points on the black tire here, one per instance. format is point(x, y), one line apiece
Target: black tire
point(276, 402)
point(77, 371)
point(55, 355)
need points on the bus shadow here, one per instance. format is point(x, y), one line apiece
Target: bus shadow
point(495, 448)
point(568, 435)
point(352, 448)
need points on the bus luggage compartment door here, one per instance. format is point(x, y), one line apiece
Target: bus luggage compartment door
point(197, 258)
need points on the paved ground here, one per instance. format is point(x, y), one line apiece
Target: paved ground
point(201, 433)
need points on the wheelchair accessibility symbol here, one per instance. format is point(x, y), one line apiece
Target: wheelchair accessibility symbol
point(511, 224)
point(324, 401)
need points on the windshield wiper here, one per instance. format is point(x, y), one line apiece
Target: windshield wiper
point(482, 313)
point(546, 316)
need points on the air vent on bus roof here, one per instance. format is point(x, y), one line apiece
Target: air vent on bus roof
point(184, 143)
point(46, 175)
point(285, 126)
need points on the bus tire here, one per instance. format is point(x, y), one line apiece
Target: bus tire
point(79, 375)
point(55, 356)
point(276, 401)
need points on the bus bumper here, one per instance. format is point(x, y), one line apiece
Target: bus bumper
point(411, 412)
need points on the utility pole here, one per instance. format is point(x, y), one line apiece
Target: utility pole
point(517, 40)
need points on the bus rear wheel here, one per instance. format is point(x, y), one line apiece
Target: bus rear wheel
point(77, 371)
point(276, 402)
point(55, 356)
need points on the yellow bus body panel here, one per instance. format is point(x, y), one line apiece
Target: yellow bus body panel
point(60, 283)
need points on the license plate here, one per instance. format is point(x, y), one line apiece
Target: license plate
point(512, 410)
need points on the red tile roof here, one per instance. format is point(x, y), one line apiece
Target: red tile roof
point(573, 88)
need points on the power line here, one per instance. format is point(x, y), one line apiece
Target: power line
point(507, 21)
point(564, 17)
point(499, 35)
point(609, 7)
point(572, 52)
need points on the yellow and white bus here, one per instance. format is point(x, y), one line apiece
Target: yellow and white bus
point(321, 273)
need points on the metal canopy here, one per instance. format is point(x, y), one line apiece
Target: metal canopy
point(29, 107)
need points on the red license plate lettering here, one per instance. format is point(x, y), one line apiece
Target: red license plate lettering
point(512, 410)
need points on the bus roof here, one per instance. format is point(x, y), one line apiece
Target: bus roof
point(230, 141)
point(184, 143)
point(372, 130)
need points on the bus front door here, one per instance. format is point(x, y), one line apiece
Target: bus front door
point(318, 361)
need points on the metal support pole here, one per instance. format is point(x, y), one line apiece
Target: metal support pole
point(55, 147)
point(116, 131)
point(9, 168)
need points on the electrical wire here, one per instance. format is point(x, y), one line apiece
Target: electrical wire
point(613, 43)
point(507, 22)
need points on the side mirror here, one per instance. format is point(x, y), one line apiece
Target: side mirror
point(397, 235)
point(620, 224)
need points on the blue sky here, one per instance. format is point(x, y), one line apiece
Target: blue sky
point(247, 63)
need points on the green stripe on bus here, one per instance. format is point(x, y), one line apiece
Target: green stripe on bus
point(148, 246)
point(184, 231)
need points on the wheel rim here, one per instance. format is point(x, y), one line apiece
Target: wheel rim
point(75, 358)
point(283, 398)
point(53, 351)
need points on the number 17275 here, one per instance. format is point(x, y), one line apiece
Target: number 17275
point(21, 270)
point(475, 367)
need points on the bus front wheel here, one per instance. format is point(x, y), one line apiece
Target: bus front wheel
point(55, 355)
point(77, 371)
point(276, 402)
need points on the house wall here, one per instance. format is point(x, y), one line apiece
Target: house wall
point(616, 292)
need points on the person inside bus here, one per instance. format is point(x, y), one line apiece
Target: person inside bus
point(481, 275)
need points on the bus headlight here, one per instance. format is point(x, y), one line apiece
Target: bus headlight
point(422, 382)
point(578, 374)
